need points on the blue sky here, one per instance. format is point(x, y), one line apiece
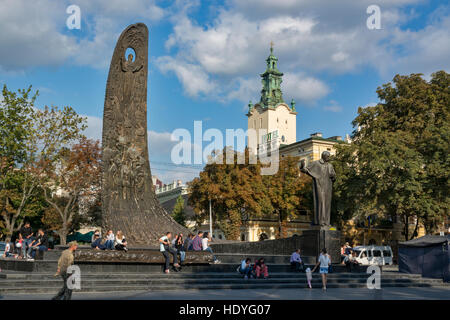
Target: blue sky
point(205, 58)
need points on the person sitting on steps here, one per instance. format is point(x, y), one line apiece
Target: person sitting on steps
point(261, 269)
point(179, 246)
point(110, 240)
point(165, 249)
point(206, 239)
point(350, 262)
point(296, 261)
point(120, 242)
point(245, 268)
point(40, 244)
point(187, 246)
point(197, 242)
point(97, 243)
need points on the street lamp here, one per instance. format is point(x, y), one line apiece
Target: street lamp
point(210, 218)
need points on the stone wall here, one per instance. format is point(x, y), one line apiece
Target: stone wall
point(276, 247)
point(310, 243)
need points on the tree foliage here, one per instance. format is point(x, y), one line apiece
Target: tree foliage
point(235, 190)
point(398, 161)
point(17, 154)
point(284, 190)
point(70, 180)
point(239, 192)
point(178, 211)
point(40, 163)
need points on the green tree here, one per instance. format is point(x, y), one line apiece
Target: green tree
point(398, 162)
point(236, 191)
point(17, 154)
point(178, 213)
point(71, 182)
point(284, 190)
point(239, 192)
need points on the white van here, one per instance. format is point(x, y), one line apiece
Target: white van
point(374, 255)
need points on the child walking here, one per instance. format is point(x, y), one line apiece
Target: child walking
point(309, 277)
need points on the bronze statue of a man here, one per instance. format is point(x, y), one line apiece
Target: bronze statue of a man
point(323, 175)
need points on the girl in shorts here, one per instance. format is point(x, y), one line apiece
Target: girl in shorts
point(324, 261)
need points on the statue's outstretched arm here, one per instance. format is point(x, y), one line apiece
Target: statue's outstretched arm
point(303, 168)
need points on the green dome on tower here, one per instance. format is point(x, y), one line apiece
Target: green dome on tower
point(271, 94)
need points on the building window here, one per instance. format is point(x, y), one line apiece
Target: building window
point(220, 236)
point(243, 237)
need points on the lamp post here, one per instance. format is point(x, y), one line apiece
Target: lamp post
point(210, 218)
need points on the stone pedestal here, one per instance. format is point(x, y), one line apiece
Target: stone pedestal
point(316, 239)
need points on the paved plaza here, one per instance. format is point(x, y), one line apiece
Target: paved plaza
point(265, 294)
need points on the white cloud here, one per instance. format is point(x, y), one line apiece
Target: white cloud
point(119, 9)
point(195, 80)
point(221, 59)
point(428, 50)
point(303, 88)
point(34, 33)
point(30, 34)
point(310, 37)
point(246, 89)
point(333, 107)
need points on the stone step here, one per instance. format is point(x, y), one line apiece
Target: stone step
point(269, 259)
point(34, 280)
point(184, 284)
point(170, 279)
point(183, 274)
point(51, 266)
point(248, 285)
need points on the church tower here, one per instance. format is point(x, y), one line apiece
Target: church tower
point(272, 119)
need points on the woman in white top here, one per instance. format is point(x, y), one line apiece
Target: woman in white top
point(120, 243)
point(324, 261)
point(206, 239)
